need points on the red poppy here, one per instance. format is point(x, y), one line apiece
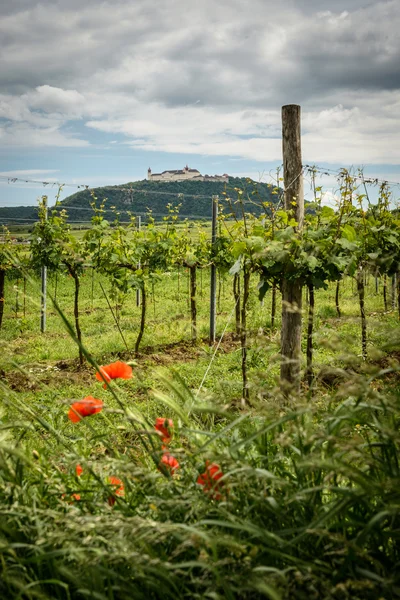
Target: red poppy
point(116, 370)
point(73, 496)
point(164, 427)
point(169, 462)
point(118, 491)
point(78, 470)
point(209, 480)
point(84, 408)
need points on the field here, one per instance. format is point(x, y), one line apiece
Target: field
point(303, 500)
point(167, 337)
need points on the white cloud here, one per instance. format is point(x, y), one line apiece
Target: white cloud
point(25, 135)
point(337, 135)
point(55, 100)
point(37, 117)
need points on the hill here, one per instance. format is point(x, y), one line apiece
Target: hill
point(18, 215)
point(194, 197)
point(139, 197)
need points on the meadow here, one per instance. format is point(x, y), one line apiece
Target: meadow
point(273, 497)
point(140, 460)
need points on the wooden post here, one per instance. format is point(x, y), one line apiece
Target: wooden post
point(193, 305)
point(361, 299)
point(213, 290)
point(292, 290)
point(139, 226)
point(44, 283)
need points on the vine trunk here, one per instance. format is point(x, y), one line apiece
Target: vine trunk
point(142, 319)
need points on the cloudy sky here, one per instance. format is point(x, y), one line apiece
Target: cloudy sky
point(95, 92)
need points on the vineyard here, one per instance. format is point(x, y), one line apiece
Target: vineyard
point(144, 456)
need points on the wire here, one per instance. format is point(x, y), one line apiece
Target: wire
point(30, 220)
point(156, 193)
point(323, 170)
point(338, 172)
point(122, 189)
point(10, 179)
point(368, 180)
point(216, 349)
point(287, 187)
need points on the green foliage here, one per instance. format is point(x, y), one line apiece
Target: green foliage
point(7, 252)
point(332, 244)
point(54, 246)
point(309, 499)
point(194, 197)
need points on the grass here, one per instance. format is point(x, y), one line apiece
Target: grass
point(309, 502)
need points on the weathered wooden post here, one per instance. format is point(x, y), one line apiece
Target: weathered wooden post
point(139, 226)
point(43, 301)
point(292, 290)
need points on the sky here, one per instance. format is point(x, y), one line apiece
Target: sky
point(94, 93)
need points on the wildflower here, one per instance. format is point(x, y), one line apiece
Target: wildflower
point(78, 470)
point(118, 491)
point(169, 462)
point(73, 496)
point(84, 408)
point(116, 370)
point(164, 428)
point(209, 480)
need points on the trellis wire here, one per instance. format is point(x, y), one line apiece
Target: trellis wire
point(216, 349)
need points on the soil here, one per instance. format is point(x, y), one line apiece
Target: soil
point(39, 374)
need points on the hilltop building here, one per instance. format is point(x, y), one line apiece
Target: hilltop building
point(185, 174)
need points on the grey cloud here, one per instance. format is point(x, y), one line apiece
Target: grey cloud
point(61, 46)
point(360, 51)
point(111, 61)
point(243, 61)
point(227, 53)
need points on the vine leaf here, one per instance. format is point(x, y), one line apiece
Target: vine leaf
point(234, 270)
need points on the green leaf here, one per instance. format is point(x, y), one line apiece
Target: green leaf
point(312, 262)
point(234, 270)
point(267, 590)
point(263, 288)
point(349, 233)
point(282, 214)
point(327, 212)
point(346, 244)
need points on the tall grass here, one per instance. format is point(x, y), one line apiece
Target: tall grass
point(310, 505)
